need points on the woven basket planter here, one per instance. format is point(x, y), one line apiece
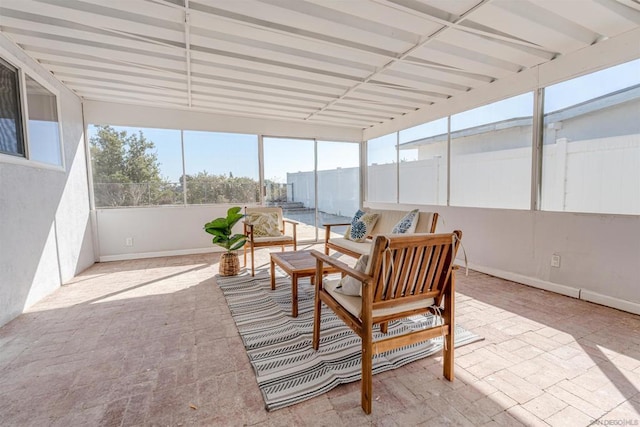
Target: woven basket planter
point(229, 264)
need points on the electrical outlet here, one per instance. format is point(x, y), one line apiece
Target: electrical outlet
point(128, 241)
point(555, 260)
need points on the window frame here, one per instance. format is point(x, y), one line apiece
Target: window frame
point(25, 160)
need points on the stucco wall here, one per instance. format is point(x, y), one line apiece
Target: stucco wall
point(45, 232)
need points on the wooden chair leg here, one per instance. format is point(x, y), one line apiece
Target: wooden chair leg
point(245, 255)
point(367, 371)
point(317, 315)
point(384, 327)
point(253, 273)
point(449, 306)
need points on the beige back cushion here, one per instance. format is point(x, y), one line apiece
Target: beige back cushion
point(389, 218)
point(267, 209)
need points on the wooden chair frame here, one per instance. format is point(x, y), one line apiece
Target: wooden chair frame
point(406, 271)
point(253, 242)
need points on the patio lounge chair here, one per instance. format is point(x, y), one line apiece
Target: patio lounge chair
point(265, 226)
point(406, 274)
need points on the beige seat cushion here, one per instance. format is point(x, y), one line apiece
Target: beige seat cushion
point(353, 304)
point(363, 248)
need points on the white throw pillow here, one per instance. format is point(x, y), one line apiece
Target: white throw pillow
point(350, 285)
point(407, 224)
point(356, 217)
point(361, 228)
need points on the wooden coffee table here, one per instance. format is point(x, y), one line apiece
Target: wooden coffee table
point(296, 264)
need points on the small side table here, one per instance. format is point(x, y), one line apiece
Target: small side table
point(296, 264)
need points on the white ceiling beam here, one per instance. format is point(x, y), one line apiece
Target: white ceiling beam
point(459, 77)
point(498, 49)
point(383, 14)
point(279, 93)
point(209, 72)
point(139, 59)
point(523, 20)
point(266, 98)
point(264, 15)
point(606, 17)
point(313, 62)
point(80, 85)
point(275, 69)
point(64, 73)
point(98, 93)
point(54, 13)
point(50, 60)
point(89, 39)
point(358, 106)
point(211, 26)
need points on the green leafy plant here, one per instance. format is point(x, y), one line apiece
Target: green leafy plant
point(220, 228)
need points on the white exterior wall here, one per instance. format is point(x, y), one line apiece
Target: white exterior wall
point(45, 232)
point(338, 190)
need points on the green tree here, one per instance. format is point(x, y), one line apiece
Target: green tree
point(203, 188)
point(126, 171)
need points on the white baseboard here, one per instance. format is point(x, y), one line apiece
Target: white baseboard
point(526, 280)
point(583, 294)
point(629, 306)
point(140, 255)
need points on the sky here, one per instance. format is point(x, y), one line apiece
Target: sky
point(224, 153)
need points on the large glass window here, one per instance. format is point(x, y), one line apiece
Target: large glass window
point(221, 167)
point(382, 173)
point(491, 155)
point(338, 183)
point(43, 129)
point(591, 151)
point(135, 167)
point(11, 140)
point(289, 177)
point(423, 163)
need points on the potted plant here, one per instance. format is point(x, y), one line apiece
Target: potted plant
point(220, 228)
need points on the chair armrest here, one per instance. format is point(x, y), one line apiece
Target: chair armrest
point(294, 224)
point(339, 265)
point(336, 224)
point(327, 232)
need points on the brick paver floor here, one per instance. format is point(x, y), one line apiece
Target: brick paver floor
point(152, 342)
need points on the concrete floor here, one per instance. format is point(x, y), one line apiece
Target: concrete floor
point(152, 342)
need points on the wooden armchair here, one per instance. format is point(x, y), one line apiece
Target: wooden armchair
point(254, 240)
point(407, 274)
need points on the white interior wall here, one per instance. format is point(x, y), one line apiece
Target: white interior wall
point(45, 232)
point(599, 254)
point(157, 231)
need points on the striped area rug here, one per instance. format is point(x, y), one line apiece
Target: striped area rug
point(287, 368)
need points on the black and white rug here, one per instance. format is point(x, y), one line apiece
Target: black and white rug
point(287, 368)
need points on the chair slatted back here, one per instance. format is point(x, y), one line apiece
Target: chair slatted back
point(411, 267)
